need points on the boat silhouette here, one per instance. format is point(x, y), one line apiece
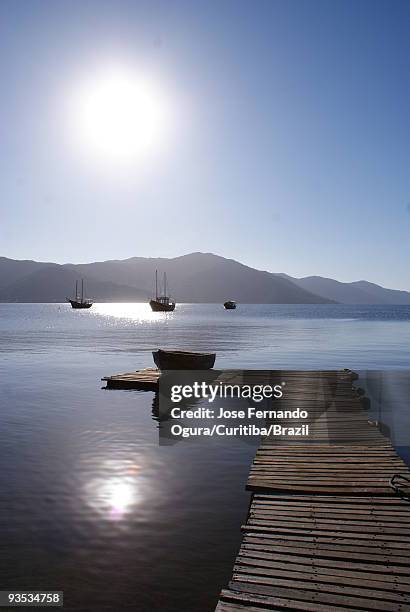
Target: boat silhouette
point(79, 301)
point(162, 303)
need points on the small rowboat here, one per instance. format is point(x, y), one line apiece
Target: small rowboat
point(183, 360)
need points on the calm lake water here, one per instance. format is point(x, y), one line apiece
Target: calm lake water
point(90, 503)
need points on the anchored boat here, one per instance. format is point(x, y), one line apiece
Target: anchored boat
point(230, 305)
point(79, 301)
point(161, 303)
point(183, 360)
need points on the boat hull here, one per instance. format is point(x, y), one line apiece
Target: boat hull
point(80, 305)
point(230, 305)
point(161, 307)
point(183, 360)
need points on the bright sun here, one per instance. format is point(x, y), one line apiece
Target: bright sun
point(119, 116)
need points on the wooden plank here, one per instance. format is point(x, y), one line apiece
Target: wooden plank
point(227, 606)
point(344, 566)
point(312, 593)
point(326, 549)
point(241, 603)
point(313, 537)
point(312, 586)
point(290, 573)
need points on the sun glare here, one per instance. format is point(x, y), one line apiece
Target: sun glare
point(119, 116)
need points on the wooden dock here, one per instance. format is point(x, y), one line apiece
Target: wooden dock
point(140, 380)
point(325, 530)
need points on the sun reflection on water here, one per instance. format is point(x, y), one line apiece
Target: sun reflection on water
point(121, 496)
point(139, 312)
point(115, 496)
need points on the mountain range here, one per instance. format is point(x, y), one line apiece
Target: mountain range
point(196, 277)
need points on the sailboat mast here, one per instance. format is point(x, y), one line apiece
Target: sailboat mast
point(76, 289)
point(165, 283)
point(156, 284)
point(82, 289)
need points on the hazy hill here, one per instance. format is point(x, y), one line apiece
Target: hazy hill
point(12, 270)
point(197, 277)
point(202, 277)
point(53, 283)
point(358, 292)
point(383, 295)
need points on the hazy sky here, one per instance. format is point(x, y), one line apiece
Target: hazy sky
point(286, 146)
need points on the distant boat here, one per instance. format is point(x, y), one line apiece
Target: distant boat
point(183, 360)
point(230, 305)
point(79, 301)
point(161, 303)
